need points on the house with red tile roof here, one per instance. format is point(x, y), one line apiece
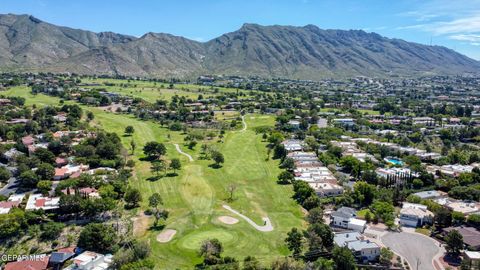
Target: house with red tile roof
point(40, 263)
point(38, 201)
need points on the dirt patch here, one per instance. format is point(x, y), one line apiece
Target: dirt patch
point(166, 236)
point(140, 224)
point(228, 220)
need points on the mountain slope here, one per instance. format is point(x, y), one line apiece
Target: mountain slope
point(308, 52)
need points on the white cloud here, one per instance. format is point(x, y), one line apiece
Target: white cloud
point(466, 37)
point(462, 25)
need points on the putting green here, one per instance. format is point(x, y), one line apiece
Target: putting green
point(194, 240)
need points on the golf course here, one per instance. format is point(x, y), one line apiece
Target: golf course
point(196, 195)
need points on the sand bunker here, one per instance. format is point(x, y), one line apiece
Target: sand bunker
point(228, 220)
point(166, 236)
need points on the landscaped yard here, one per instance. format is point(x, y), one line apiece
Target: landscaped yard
point(195, 197)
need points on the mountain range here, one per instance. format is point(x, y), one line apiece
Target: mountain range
point(308, 52)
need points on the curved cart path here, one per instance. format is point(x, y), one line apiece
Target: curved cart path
point(183, 153)
point(265, 228)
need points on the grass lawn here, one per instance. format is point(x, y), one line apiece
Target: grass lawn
point(195, 196)
point(361, 214)
point(151, 91)
point(423, 231)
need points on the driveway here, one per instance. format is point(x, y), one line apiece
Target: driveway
point(419, 250)
point(10, 187)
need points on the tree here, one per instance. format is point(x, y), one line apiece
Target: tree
point(155, 200)
point(90, 116)
point(97, 237)
point(324, 264)
point(320, 236)
point(132, 197)
point(4, 174)
point(315, 215)
point(343, 258)
point(175, 165)
point(211, 251)
point(28, 179)
point(287, 264)
point(386, 256)
point(288, 164)
point(157, 167)
point(285, 177)
point(44, 186)
point(294, 242)
point(133, 146)
point(218, 158)
point(51, 230)
point(454, 242)
point(251, 263)
point(231, 190)
point(154, 150)
point(129, 130)
point(45, 171)
point(364, 193)
point(45, 155)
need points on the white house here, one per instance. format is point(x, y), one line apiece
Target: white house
point(415, 215)
point(365, 250)
point(89, 260)
point(38, 201)
point(326, 189)
point(344, 218)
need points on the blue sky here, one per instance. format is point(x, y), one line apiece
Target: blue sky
point(451, 23)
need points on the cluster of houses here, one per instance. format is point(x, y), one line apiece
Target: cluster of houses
point(70, 258)
point(464, 207)
point(420, 153)
point(309, 169)
point(350, 148)
point(349, 233)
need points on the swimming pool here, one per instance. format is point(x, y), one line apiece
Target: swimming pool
point(394, 161)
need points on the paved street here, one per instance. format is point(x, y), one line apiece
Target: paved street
point(415, 248)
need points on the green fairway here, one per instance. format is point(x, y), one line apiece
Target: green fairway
point(195, 196)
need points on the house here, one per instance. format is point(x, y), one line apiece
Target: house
point(471, 236)
point(466, 208)
point(68, 171)
point(471, 258)
point(59, 257)
point(59, 162)
point(363, 250)
point(38, 201)
point(344, 218)
point(430, 194)
point(89, 260)
point(39, 262)
point(344, 121)
point(12, 154)
point(326, 189)
point(13, 201)
point(322, 123)
point(294, 124)
point(415, 215)
point(28, 140)
point(86, 192)
point(341, 239)
point(292, 145)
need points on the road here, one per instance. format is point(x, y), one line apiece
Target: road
point(419, 250)
point(10, 187)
